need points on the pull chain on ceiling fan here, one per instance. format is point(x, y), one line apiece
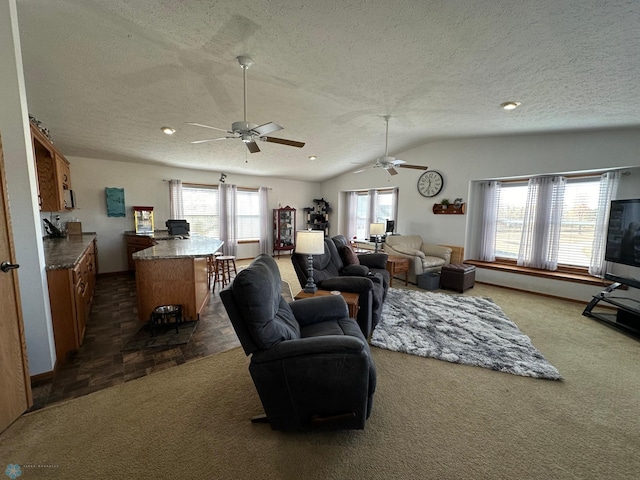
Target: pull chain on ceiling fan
point(389, 163)
point(249, 132)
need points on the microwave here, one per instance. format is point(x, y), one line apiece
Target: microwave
point(69, 198)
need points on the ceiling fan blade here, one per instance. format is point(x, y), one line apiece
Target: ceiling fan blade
point(416, 167)
point(207, 126)
point(253, 147)
point(283, 141)
point(266, 128)
point(368, 167)
point(211, 140)
point(391, 171)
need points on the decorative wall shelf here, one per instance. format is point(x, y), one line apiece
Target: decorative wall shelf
point(440, 209)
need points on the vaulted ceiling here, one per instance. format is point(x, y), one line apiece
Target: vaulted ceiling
point(104, 77)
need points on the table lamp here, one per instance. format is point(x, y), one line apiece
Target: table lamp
point(310, 242)
point(375, 230)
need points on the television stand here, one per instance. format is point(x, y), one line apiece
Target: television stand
point(627, 317)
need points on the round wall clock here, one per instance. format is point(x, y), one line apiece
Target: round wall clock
point(430, 183)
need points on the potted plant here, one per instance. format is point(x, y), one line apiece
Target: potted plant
point(445, 203)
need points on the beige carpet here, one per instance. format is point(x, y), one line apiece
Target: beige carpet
point(431, 419)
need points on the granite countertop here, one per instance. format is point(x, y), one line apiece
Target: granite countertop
point(187, 248)
point(157, 235)
point(61, 253)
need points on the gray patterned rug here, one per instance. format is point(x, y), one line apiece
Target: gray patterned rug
point(458, 329)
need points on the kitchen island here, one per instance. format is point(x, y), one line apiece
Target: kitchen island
point(174, 272)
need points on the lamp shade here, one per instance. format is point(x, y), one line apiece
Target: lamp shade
point(310, 242)
point(377, 229)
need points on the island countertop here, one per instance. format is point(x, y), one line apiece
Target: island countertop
point(61, 253)
point(193, 247)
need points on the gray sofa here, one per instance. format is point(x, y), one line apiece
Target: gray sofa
point(310, 363)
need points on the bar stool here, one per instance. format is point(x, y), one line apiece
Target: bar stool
point(222, 270)
point(211, 268)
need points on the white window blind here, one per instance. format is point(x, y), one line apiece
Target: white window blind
point(577, 231)
point(578, 221)
point(200, 205)
point(248, 215)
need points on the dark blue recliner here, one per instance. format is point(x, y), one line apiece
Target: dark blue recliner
point(368, 279)
point(310, 362)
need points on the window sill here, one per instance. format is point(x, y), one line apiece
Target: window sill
point(574, 277)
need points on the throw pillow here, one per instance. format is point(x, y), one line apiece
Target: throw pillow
point(348, 256)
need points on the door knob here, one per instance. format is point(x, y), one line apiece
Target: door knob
point(6, 266)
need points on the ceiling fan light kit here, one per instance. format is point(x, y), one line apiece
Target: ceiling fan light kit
point(244, 130)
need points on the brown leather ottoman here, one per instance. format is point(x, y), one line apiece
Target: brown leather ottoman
point(458, 276)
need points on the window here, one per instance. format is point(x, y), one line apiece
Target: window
point(200, 205)
point(201, 210)
point(366, 213)
point(577, 230)
point(248, 214)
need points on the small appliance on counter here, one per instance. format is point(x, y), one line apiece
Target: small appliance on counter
point(177, 227)
point(143, 219)
point(51, 230)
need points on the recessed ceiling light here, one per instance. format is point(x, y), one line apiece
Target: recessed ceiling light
point(510, 105)
point(312, 157)
point(168, 130)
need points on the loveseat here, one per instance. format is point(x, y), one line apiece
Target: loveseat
point(423, 257)
point(365, 275)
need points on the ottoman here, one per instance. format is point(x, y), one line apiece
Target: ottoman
point(458, 276)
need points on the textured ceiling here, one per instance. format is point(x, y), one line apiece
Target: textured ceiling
point(105, 76)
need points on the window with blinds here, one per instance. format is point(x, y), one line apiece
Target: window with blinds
point(383, 210)
point(248, 215)
point(201, 210)
point(577, 232)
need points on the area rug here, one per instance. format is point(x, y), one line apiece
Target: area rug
point(163, 336)
point(458, 329)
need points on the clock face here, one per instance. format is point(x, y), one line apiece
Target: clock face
point(430, 183)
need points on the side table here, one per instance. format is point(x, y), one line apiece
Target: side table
point(350, 298)
point(397, 265)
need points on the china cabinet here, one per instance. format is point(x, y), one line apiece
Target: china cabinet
point(284, 229)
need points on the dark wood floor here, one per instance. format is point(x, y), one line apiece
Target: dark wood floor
point(101, 363)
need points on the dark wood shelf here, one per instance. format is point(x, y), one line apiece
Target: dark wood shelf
point(439, 209)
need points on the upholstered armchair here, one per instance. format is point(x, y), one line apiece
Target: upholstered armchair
point(310, 363)
point(423, 257)
point(330, 272)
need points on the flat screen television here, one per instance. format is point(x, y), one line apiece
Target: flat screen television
point(623, 233)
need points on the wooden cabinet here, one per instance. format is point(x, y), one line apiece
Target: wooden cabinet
point(70, 295)
point(284, 229)
point(54, 174)
point(135, 243)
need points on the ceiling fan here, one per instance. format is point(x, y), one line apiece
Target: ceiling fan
point(389, 163)
point(249, 132)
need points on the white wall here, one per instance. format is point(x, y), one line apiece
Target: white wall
point(23, 202)
point(143, 185)
point(462, 161)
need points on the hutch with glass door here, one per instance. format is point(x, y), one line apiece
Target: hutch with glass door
point(284, 229)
